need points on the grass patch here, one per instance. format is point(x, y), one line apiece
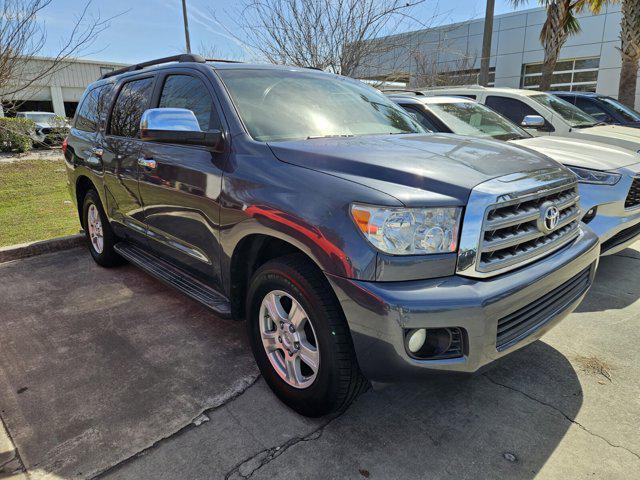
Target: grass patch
point(35, 202)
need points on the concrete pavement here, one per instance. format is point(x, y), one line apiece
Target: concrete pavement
point(565, 407)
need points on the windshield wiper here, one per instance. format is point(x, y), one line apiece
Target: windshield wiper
point(346, 135)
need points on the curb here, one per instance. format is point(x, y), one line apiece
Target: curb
point(24, 250)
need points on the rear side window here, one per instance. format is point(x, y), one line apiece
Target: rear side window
point(513, 109)
point(93, 109)
point(131, 103)
point(185, 91)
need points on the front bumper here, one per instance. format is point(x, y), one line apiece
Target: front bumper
point(379, 312)
point(616, 226)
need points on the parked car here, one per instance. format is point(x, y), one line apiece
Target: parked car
point(356, 246)
point(601, 107)
point(609, 176)
point(543, 114)
point(50, 128)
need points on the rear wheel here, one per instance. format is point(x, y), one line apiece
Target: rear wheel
point(300, 338)
point(100, 237)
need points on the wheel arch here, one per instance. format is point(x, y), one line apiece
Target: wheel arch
point(251, 252)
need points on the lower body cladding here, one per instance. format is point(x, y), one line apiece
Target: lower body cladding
point(468, 322)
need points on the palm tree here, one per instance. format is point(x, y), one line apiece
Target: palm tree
point(630, 51)
point(561, 22)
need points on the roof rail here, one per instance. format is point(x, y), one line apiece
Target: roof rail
point(449, 87)
point(185, 57)
point(402, 90)
point(222, 60)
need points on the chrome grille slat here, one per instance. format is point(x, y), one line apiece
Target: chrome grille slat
point(510, 234)
point(531, 233)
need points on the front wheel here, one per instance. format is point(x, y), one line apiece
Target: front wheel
point(300, 338)
point(100, 237)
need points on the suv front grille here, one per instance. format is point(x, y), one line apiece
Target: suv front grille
point(633, 197)
point(523, 322)
point(514, 233)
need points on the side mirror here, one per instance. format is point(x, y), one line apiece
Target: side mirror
point(532, 121)
point(179, 126)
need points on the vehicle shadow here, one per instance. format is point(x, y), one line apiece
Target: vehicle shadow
point(504, 423)
point(616, 285)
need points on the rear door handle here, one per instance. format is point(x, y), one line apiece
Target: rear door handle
point(147, 162)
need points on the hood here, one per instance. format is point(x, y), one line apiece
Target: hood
point(625, 137)
point(582, 153)
point(407, 166)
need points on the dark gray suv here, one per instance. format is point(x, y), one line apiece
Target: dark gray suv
point(355, 245)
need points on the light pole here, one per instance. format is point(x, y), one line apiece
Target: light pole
point(486, 43)
point(186, 25)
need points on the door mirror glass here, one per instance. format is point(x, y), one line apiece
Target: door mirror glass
point(177, 125)
point(532, 121)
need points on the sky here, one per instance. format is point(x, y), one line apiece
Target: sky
point(144, 29)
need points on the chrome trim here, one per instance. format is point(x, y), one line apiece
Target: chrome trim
point(510, 190)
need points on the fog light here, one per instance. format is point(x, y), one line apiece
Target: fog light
point(416, 339)
point(590, 215)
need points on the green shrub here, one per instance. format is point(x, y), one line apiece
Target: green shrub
point(59, 131)
point(15, 134)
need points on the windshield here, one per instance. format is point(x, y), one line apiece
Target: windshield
point(470, 118)
point(570, 113)
point(40, 117)
point(625, 112)
point(280, 105)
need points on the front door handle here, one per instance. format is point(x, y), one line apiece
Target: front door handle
point(147, 162)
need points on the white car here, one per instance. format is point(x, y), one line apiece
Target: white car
point(45, 123)
point(609, 176)
point(542, 114)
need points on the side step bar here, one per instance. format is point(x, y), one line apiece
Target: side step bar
point(175, 277)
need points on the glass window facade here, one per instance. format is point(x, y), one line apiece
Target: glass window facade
point(577, 74)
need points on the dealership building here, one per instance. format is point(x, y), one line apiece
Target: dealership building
point(588, 61)
point(58, 91)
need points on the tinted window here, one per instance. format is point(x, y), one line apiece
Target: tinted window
point(593, 109)
point(184, 91)
point(628, 114)
point(513, 109)
point(421, 117)
point(132, 101)
point(93, 109)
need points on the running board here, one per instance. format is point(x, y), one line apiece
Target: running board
point(175, 277)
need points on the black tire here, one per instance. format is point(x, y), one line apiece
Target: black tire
point(108, 257)
point(338, 380)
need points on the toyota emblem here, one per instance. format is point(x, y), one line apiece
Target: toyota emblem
point(549, 217)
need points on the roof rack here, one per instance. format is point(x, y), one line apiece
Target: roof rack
point(222, 60)
point(185, 57)
point(403, 90)
point(450, 87)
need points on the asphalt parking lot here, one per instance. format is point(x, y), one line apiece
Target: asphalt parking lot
point(109, 373)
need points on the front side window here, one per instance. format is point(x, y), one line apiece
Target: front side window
point(570, 113)
point(470, 118)
point(93, 108)
point(515, 110)
point(278, 105)
point(131, 103)
point(185, 91)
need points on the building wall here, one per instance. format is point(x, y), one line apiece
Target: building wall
point(515, 43)
point(64, 85)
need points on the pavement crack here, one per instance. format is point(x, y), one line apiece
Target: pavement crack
point(179, 432)
point(250, 465)
point(567, 417)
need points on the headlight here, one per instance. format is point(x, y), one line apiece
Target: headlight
point(409, 231)
point(586, 175)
